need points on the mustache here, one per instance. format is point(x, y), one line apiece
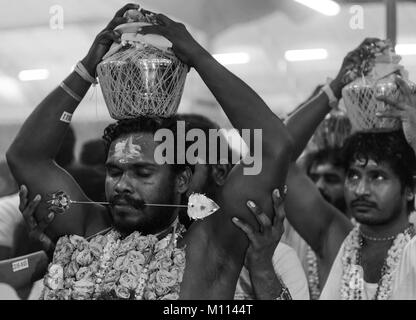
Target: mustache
point(126, 199)
point(363, 201)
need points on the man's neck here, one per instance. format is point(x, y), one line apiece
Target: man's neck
point(160, 234)
point(386, 230)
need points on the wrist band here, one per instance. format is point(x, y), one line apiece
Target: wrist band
point(333, 101)
point(285, 294)
point(66, 117)
point(84, 74)
point(70, 92)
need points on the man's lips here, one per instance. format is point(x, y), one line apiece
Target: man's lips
point(126, 209)
point(120, 200)
point(363, 204)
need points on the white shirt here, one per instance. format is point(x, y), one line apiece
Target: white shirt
point(7, 292)
point(10, 218)
point(332, 288)
point(404, 286)
point(296, 242)
point(286, 265)
point(370, 290)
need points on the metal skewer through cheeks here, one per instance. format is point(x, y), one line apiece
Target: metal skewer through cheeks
point(61, 202)
point(199, 206)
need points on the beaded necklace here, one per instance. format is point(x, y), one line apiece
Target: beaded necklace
point(352, 286)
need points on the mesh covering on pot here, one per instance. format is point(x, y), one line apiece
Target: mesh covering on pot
point(360, 95)
point(142, 75)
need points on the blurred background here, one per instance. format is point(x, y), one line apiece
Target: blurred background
point(282, 48)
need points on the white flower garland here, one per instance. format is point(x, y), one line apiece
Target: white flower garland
point(352, 286)
point(108, 267)
point(313, 274)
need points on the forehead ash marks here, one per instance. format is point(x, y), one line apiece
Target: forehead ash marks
point(128, 149)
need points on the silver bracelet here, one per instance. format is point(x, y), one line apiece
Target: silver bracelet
point(285, 294)
point(70, 92)
point(84, 74)
point(333, 101)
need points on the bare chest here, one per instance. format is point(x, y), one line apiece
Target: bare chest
point(372, 261)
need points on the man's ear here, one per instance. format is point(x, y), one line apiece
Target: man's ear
point(220, 173)
point(183, 180)
point(410, 194)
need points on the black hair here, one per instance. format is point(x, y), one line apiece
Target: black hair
point(389, 147)
point(152, 124)
point(198, 121)
point(93, 153)
point(332, 155)
point(147, 125)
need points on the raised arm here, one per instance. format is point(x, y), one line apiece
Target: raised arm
point(322, 225)
point(242, 105)
point(31, 154)
point(216, 248)
point(303, 123)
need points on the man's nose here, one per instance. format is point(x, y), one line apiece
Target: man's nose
point(124, 184)
point(320, 183)
point(362, 187)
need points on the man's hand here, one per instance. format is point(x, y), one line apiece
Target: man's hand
point(351, 59)
point(263, 243)
point(185, 47)
point(105, 39)
point(403, 108)
point(259, 256)
point(36, 230)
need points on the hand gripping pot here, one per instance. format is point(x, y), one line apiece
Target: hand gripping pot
point(141, 76)
point(360, 95)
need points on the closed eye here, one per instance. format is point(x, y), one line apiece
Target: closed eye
point(144, 172)
point(113, 171)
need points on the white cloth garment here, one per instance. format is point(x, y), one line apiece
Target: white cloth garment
point(296, 242)
point(404, 287)
point(10, 218)
point(332, 288)
point(7, 292)
point(286, 265)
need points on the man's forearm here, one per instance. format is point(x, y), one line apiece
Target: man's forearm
point(303, 123)
point(41, 134)
point(266, 284)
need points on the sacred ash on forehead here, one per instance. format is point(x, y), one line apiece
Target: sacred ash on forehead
point(127, 149)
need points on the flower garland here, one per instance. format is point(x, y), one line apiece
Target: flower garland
point(108, 267)
point(313, 274)
point(352, 283)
